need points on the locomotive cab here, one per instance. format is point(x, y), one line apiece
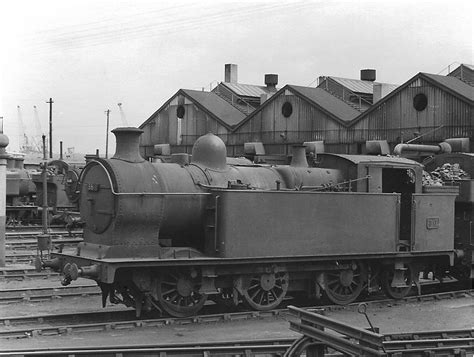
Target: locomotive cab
point(380, 174)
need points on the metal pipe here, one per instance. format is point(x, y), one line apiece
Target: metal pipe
point(107, 135)
point(435, 149)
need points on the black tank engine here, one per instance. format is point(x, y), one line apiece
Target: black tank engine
point(170, 236)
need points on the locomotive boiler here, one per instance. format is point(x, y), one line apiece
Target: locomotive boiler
point(169, 236)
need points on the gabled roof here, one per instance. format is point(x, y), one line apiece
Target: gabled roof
point(326, 101)
point(215, 106)
point(247, 90)
point(209, 102)
point(359, 86)
point(452, 85)
point(464, 66)
point(335, 108)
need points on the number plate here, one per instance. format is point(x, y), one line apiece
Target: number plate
point(93, 187)
point(432, 223)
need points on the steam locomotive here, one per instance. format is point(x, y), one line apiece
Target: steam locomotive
point(20, 192)
point(169, 236)
point(24, 191)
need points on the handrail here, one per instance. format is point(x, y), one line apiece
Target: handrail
point(145, 193)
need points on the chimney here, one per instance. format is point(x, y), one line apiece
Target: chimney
point(377, 92)
point(230, 74)
point(380, 90)
point(271, 80)
point(19, 162)
point(367, 75)
point(10, 161)
point(127, 143)
point(299, 156)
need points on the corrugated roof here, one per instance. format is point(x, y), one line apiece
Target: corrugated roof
point(247, 90)
point(359, 86)
point(216, 106)
point(454, 84)
point(328, 102)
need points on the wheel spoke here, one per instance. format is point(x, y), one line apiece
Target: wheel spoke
point(168, 292)
point(255, 294)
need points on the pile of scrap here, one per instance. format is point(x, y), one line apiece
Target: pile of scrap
point(444, 173)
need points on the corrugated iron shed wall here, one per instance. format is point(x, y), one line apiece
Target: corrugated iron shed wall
point(397, 117)
point(162, 128)
point(278, 133)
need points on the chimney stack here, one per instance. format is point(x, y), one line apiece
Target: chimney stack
point(299, 156)
point(127, 144)
point(367, 75)
point(230, 74)
point(271, 80)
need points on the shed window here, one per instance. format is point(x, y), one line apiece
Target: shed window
point(420, 101)
point(180, 112)
point(287, 109)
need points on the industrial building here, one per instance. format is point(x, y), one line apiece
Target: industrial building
point(341, 112)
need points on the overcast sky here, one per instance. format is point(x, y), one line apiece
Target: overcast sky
point(90, 55)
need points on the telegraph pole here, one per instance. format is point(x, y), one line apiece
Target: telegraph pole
point(107, 135)
point(50, 127)
point(45, 187)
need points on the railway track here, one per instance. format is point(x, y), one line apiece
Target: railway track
point(320, 333)
point(35, 233)
point(29, 243)
point(47, 293)
point(25, 274)
point(104, 320)
point(20, 258)
point(32, 227)
point(273, 347)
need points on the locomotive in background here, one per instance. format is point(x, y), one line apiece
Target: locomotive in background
point(25, 191)
point(20, 192)
point(169, 236)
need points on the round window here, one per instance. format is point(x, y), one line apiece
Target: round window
point(287, 109)
point(180, 112)
point(420, 101)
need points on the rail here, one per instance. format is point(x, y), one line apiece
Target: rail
point(321, 331)
point(262, 347)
